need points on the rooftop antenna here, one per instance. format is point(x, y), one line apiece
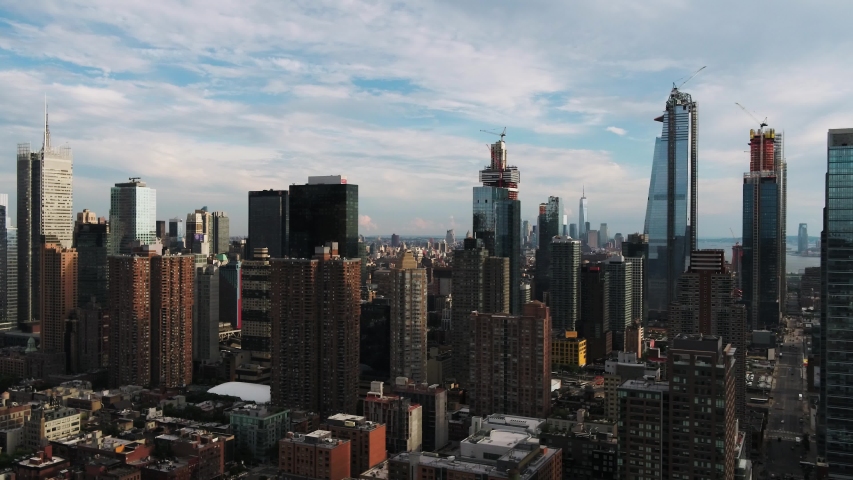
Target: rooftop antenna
point(46, 144)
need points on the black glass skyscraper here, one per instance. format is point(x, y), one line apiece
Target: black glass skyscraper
point(550, 219)
point(268, 222)
point(497, 216)
point(321, 211)
point(90, 240)
point(835, 417)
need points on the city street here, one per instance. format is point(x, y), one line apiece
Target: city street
point(788, 417)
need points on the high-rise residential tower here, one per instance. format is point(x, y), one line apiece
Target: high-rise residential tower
point(550, 215)
point(408, 319)
point(315, 312)
point(206, 312)
point(59, 295)
point(255, 281)
point(835, 418)
point(172, 297)
point(8, 268)
point(620, 297)
point(762, 270)
point(565, 283)
point(636, 250)
point(321, 211)
point(44, 214)
point(268, 222)
point(497, 216)
point(671, 219)
point(133, 216)
point(583, 221)
point(220, 241)
point(803, 238)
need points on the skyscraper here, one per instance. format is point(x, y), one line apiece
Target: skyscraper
point(8, 268)
point(835, 418)
point(268, 222)
point(497, 216)
point(315, 312)
point(583, 220)
point(480, 283)
point(172, 320)
point(603, 235)
point(565, 283)
point(257, 330)
point(803, 238)
point(230, 294)
point(133, 216)
point(206, 310)
point(594, 324)
point(408, 319)
point(707, 304)
point(44, 214)
point(177, 232)
point(199, 234)
point(762, 271)
point(221, 240)
point(550, 215)
point(321, 211)
point(573, 231)
point(511, 362)
point(671, 219)
point(620, 296)
point(59, 295)
point(636, 249)
point(92, 244)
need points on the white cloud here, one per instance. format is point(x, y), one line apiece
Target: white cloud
point(366, 224)
point(617, 130)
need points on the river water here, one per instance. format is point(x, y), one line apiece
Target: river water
point(793, 263)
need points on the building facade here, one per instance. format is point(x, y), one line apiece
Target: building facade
point(58, 295)
point(671, 213)
point(172, 297)
point(550, 223)
point(594, 323)
point(91, 242)
point(321, 211)
point(269, 222)
point(408, 319)
point(133, 216)
point(221, 233)
point(255, 281)
point(565, 283)
point(620, 296)
point(206, 310)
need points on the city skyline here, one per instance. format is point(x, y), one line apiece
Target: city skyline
point(203, 123)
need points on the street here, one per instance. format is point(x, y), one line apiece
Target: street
point(788, 417)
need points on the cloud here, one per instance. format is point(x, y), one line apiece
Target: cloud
point(366, 224)
point(618, 131)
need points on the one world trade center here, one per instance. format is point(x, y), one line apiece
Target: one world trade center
point(671, 219)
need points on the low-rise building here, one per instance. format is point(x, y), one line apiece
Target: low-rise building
point(181, 469)
point(315, 455)
point(367, 439)
point(589, 450)
point(48, 423)
point(433, 400)
point(402, 419)
point(209, 449)
point(568, 349)
point(82, 447)
point(42, 466)
point(258, 427)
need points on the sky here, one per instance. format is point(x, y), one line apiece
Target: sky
point(206, 100)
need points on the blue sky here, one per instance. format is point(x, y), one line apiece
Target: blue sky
point(206, 100)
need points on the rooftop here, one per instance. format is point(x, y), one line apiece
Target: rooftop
point(645, 385)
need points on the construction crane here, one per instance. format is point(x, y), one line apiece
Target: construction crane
point(688, 79)
point(733, 236)
point(502, 134)
point(761, 124)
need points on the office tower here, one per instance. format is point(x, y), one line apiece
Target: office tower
point(177, 233)
point(762, 250)
point(9, 274)
point(565, 283)
point(403, 419)
point(803, 238)
point(221, 235)
point(835, 419)
point(321, 211)
point(161, 232)
point(56, 192)
point(395, 240)
point(617, 241)
point(29, 218)
point(475, 287)
point(594, 324)
point(84, 339)
point(497, 216)
point(8, 270)
point(620, 297)
point(636, 249)
point(172, 300)
point(231, 294)
point(58, 295)
point(707, 304)
point(206, 310)
point(268, 222)
point(549, 227)
point(408, 318)
point(671, 219)
point(375, 337)
point(511, 362)
point(583, 221)
point(573, 231)
point(257, 331)
point(199, 234)
point(702, 428)
point(92, 244)
point(603, 236)
point(433, 400)
point(593, 239)
point(315, 311)
point(133, 216)
point(450, 238)
point(565, 228)
point(130, 318)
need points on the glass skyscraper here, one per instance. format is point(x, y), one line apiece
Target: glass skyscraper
point(133, 216)
point(323, 210)
point(583, 223)
point(672, 197)
point(550, 215)
point(803, 238)
point(835, 415)
point(497, 216)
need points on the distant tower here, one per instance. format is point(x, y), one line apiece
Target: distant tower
point(450, 238)
point(221, 241)
point(803, 239)
point(583, 221)
point(8, 268)
point(671, 219)
point(133, 216)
